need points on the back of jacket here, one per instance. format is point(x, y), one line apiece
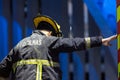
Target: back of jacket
point(34, 59)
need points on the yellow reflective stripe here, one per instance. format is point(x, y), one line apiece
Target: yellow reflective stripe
point(34, 61)
point(118, 69)
point(39, 72)
point(118, 41)
point(87, 40)
point(118, 13)
point(37, 62)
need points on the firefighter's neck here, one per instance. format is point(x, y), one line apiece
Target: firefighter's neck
point(46, 32)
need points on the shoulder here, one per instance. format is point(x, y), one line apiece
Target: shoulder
point(21, 42)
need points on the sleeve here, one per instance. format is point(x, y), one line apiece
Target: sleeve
point(74, 44)
point(6, 65)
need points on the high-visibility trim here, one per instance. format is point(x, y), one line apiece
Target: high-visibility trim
point(35, 61)
point(39, 72)
point(118, 41)
point(118, 69)
point(38, 63)
point(40, 67)
point(118, 13)
point(87, 40)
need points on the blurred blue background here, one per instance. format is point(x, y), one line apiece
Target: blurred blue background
point(78, 18)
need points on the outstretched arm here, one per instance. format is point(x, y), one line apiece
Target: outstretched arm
point(106, 41)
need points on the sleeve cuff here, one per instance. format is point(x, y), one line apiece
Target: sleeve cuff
point(96, 41)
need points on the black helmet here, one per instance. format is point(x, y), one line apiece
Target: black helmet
point(45, 22)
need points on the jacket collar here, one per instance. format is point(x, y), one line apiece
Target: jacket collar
point(38, 32)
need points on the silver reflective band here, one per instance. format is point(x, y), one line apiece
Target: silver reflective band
point(87, 41)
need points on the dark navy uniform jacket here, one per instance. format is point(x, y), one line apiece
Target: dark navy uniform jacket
point(37, 56)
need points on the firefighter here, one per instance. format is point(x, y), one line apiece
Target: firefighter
point(36, 57)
